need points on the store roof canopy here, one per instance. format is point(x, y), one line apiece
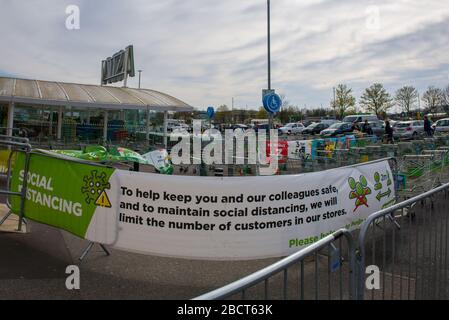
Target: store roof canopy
point(36, 92)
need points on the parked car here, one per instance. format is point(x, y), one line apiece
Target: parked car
point(409, 129)
point(337, 129)
point(292, 128)
point(264, 126)
point(378, 128)
point(441, 125)
point(330, 122)
point(315, 128)
point(307, 123)
point(360, 118)
point(239, 127)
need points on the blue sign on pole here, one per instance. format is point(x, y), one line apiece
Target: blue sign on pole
point(210, 112)
point(272, 103)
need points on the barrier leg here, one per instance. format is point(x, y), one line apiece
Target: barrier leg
point(86, 252)
point(105, 249)
point(89, 247)
point(390, 217)
point(5, 218)
point(25, 222)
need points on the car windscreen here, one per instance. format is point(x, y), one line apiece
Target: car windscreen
point(350, 119)
point(337, 126)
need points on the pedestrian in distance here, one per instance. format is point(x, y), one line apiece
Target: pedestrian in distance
point(367, 128)
point(355, 127)
point(428, 126)
point(389, 132)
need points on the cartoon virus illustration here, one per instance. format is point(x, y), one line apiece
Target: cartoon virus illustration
point(389, 181)
point(359, 192)
point(94, 186)
point(378, 186)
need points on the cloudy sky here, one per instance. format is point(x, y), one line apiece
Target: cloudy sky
point(207, 51)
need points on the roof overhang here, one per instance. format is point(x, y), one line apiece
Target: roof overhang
point(36, 92)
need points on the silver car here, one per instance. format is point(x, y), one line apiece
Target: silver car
point(441, 125)
point(409, 129)
point(292, 128)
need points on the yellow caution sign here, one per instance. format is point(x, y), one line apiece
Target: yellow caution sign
point(103, 200)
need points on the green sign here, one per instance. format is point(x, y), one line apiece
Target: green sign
point(101, 154)
point(63, 194)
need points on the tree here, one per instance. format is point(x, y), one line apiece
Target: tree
point(433, 99)
point(223, 108)
point(223, 114)
point(446, 98)
point(289, 114)
point(262, 113)
point(376, 99)
point(406, 98)
point(344, 100)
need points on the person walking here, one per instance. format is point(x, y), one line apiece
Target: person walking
point(428, 126)
point(389, 132)
point(367, 128)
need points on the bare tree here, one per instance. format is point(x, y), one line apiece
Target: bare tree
point(406, 98)
point(376, 99)
point(344, 100)
point(446, 97)
point(433, 98)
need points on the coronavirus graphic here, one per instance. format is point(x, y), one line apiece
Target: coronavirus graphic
point(94, 186)
point(359, 192)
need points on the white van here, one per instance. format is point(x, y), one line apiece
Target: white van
point(361, 118)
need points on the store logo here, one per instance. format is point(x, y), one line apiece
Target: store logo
point(359, 192)
point(94, 189)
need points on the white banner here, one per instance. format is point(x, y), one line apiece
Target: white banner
point(243, 218)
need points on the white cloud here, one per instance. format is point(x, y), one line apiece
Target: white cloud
point(208, 51)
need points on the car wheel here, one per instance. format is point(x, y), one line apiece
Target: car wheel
point(415, 135)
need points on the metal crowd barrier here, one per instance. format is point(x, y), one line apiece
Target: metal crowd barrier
point(292, 276)
point(16, 145)
point(407, 244)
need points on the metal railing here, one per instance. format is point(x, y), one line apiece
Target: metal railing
point(334, 272)
point(407, 243)
point(16, 145)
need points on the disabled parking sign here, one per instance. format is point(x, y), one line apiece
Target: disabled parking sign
point(272, 102)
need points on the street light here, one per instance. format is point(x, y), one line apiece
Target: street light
point(140, 76)
point(269, 55)
point(269, 42)
point(335, 106)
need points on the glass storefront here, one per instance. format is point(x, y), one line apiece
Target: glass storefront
point(35, 122)
point(41, 124)
point(3, 118)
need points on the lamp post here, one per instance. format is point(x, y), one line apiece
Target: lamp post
point(269, 55)
point(335, 105)
point(140, 76)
